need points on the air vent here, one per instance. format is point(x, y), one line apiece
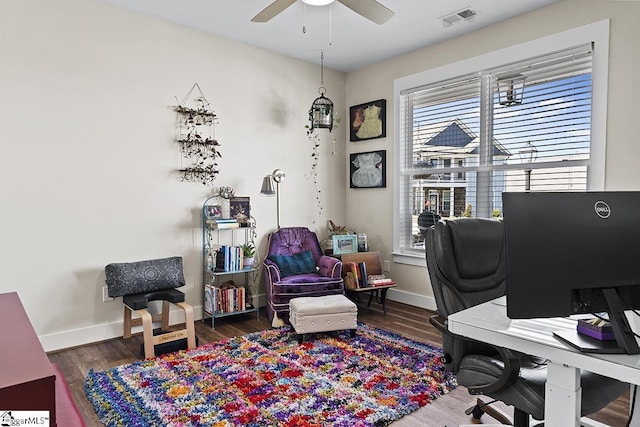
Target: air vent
point(459, 16)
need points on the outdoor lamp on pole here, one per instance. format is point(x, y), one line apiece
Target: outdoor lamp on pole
point(267, 189)
point(510, 90)
point(528, 155)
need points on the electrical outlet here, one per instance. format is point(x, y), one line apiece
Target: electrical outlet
point(387, 266)
point(105, 294)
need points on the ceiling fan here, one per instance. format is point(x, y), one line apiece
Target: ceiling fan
point(370, 9)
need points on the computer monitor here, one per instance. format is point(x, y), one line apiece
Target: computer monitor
point(573, 253)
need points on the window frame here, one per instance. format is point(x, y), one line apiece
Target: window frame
point(597, 33)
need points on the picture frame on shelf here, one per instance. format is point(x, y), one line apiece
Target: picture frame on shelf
point(368, 120)
point(368, 169)
point(240, 209)
point(344, 244)
point(213, 211)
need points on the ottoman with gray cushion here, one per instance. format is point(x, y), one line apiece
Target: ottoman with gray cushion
point(322, 314)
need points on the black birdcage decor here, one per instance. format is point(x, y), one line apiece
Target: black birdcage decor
point(321, 112)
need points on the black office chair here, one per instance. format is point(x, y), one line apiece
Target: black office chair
point(466, 264)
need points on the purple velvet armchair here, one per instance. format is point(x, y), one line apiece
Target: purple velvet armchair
point(295, 267)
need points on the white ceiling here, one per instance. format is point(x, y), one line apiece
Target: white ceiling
point(349, 41)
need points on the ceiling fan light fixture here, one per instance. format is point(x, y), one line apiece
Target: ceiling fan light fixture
point(369, 9)
point(318, 2)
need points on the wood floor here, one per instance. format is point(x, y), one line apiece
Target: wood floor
point(412, 322)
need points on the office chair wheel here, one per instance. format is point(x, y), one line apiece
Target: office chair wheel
point(475, 411)
point(481, 407)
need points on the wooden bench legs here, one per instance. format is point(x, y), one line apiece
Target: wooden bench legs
point(146, 320)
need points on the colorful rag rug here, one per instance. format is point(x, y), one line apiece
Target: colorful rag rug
point(267, 379)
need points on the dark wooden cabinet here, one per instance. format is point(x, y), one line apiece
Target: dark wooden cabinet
point(27, 378)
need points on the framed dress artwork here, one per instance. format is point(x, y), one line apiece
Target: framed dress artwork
point(368, 170)
point(368, 121)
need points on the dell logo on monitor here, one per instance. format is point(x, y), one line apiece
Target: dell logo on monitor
point(602, 209)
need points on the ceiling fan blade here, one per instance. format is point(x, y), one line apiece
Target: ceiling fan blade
point(370, 9)
point(272, 10)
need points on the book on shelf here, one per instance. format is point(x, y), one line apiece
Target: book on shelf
point(362, 270)
point(228, 258)
point(356, 277)
point(224, 226)
point(224, 298)
point(209, 299)
point(353, 267)
point(230, 300)
point(379, 280)
point(221, 220)
point(223, 223)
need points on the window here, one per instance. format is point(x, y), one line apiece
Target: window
point(520, 125)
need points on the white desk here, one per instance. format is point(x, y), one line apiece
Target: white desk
point(489, 323)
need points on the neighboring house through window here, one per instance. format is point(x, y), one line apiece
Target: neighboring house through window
point(523, 118)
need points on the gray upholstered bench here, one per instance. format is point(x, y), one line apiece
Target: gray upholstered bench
point(322, 314)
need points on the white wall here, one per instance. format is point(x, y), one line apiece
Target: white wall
point(89, 154)
point(371, 210)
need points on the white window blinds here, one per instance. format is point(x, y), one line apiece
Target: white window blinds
point(464, 141)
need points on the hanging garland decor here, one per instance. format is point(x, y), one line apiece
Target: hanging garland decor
point(314, 138)
point(197, 140)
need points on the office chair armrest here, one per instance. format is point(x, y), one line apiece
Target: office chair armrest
point(509, 374)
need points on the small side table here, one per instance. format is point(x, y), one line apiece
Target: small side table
point(381, 296)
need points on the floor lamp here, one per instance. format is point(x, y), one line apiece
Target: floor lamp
point(267, 189)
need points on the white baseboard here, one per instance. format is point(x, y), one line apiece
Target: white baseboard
point(409, 298)
point(96, 333)
point(105, 331)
